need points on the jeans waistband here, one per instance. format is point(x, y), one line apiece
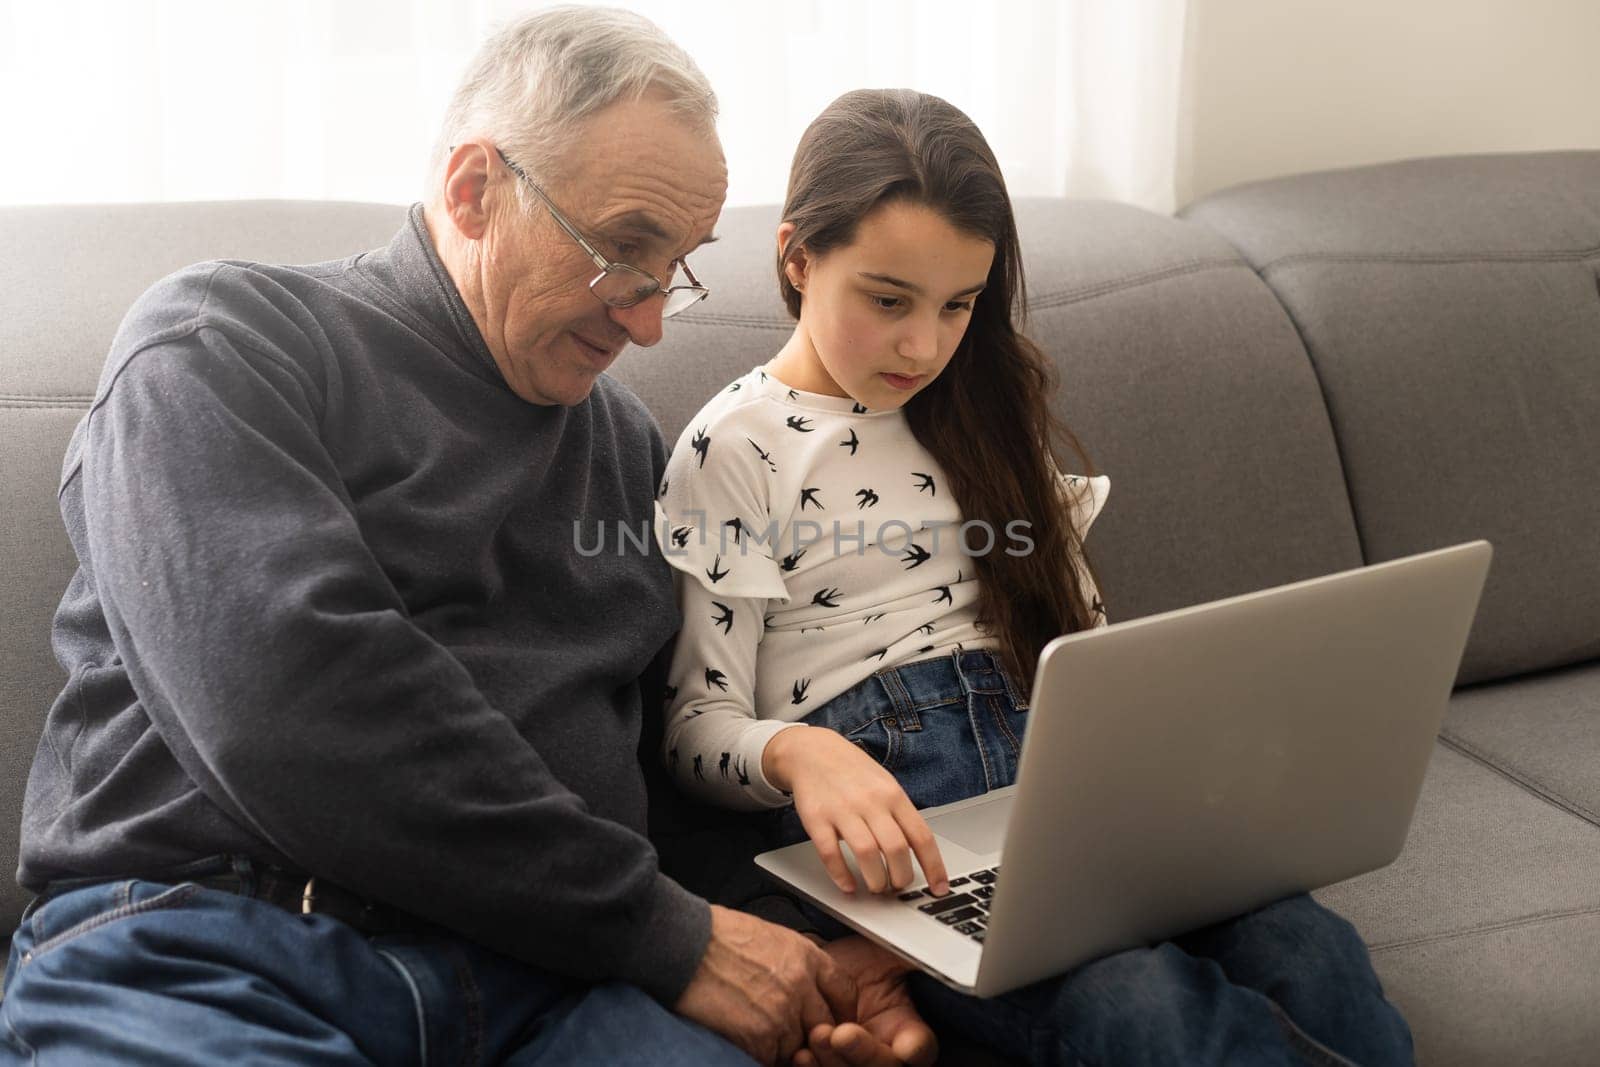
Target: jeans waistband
point(932, 683)
point(293, 891)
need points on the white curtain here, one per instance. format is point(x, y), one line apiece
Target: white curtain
point(128, 100)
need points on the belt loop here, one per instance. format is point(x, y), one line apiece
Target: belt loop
point(245, 871)
point(905, 710)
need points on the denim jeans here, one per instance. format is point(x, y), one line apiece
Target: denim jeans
point(135, 972)
point(1290, 983)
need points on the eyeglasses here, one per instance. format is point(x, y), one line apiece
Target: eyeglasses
point(618, 284)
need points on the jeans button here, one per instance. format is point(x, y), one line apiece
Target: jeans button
point(889, 721)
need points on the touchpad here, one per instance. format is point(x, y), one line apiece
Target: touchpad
point(980, 828)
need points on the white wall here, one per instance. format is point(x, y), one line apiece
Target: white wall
point(1280, 86)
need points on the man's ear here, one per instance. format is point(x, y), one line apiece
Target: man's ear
point(468, 198)
point(796, 267)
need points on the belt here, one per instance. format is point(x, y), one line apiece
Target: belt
point(305, 895)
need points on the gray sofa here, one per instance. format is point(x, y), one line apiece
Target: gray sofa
point(1291, 378)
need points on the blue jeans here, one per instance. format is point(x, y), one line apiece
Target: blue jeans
point(1290, 983)
point(135, 972)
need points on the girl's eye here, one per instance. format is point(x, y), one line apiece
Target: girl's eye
point(959, 305)
point(887, 303)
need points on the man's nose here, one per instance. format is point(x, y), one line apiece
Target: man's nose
point(642, 320)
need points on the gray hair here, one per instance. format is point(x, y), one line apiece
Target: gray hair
point(536, 79)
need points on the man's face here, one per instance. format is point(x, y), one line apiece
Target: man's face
point(644, 189)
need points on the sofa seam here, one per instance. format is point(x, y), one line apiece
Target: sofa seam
point(45, 405)
point(1135, 281)
point(1046, 301)
point(1327, 411)
point(1487, 928)
point(1443, 258)
point(1549, 796)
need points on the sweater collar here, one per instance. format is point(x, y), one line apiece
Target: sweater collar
point(410, 267)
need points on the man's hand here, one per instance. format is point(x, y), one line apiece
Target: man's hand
point(764, 987)
point(888, 1031)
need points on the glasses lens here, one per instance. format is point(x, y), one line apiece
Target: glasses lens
point(624, 286)
point(681, 300)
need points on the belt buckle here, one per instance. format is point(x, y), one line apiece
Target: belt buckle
point(308, 896)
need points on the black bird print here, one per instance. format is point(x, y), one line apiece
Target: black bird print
point(857, 409)
point(792, 561)
point(869, 619)
point(850, 442)
point(734, 388)
point(926, 483)
point(916, 556)
point(663, 490)
point(700, 767)
point(867, 499)
point(701, 444)
point(668, 695)
point(809, 496)
point(879, 654)
point(798, 692)
point(798, 423)
point(724, 620)
point(715, 574)
point(927, 627)
point(944, 596)
point(680, 535)
point(763, 374)
point(739, 766)
point(924, 649)
point(793, 395)
point(766, 457)
point(737, 527)
point(716, 678)
point(825, 598)
point(1099, 608)
point(722, 764)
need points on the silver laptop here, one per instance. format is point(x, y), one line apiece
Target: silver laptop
point(1183, 768)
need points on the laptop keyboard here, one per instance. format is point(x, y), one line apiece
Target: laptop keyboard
point(965, 909)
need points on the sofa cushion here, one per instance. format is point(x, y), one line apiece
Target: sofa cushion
point(1451, 310)
point(1489, 919)
point(1542, 732)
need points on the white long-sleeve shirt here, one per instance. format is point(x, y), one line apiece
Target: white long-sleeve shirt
point(815, 542)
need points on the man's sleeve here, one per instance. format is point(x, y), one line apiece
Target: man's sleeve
point(278, 663)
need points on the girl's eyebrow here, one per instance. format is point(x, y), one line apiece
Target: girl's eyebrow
point(900, 283)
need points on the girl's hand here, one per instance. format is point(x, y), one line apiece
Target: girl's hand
point(841, 793)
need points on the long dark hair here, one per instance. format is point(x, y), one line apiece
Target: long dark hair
point(987, 418)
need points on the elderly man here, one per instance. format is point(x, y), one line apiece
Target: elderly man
point(345, 767)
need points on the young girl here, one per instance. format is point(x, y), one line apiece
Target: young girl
point(874, 543)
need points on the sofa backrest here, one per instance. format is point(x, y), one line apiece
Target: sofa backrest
point(1450, 309)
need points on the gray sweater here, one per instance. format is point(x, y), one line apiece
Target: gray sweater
point(330, 614)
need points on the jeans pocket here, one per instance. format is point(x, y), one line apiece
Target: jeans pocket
point(81, 911)
point(878, 738)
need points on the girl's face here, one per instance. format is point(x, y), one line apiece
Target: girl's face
point(881, 317)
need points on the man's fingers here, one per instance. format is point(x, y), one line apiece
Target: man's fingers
point(838, 987)
point(856, 1047)
point(916, 1045)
